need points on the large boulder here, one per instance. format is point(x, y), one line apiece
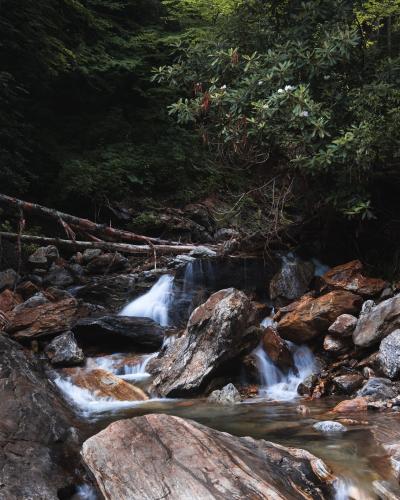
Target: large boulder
point(292, 280)
point(39, 317)
point(35, 430)
point(64, 351)
point(348, 277)
point(218, 333)
point(313, 316)
point(119, 332)
point(377, 322)
point(389, 355)
point(162, 456)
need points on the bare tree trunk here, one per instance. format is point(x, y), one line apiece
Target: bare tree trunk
point(83, 225)
point(102, 245)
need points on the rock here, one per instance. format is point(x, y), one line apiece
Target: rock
point(27, 289)
point(43, 257)
point(379, 388)
point(218, 332)
point(389, 355)
point(42, 318)
point(277, 349)
point(313, 316)
point(106, 385)
point(77, 271)
point(143, 458)
point(8, 279)
point(302, 410)
point(90, 254)
point(119, 332)
point(228, 395)
point(36, 454)
point(292, 280)
point(64, 351)
point(202, 252)
point(307, 386)
point(329, 426)
point(108, 263)
point(58, 276)
point(351, 405)
point(348, 277)
point(9, 300)
point(386, 490)
point(343, 326)
point(349, 383)
point(377, 322)
point(226, 233)
point(335, 344)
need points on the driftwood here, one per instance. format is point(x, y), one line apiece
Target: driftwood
point(82, 225)
point(102, 245)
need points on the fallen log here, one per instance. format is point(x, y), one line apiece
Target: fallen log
point(84, 225)
point(102, 245)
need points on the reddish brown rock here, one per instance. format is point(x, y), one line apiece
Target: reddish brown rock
point(343, 326)
point(311, 317)
point(27, 289)
point(277, 349)
point(46, 319)
point(348, 277)
point(106, 385)
point(351, 405)
point(8, 300)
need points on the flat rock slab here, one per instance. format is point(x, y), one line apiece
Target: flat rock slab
point(162, 456)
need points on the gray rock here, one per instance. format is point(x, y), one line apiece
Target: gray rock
point(181, 460)
point(389, 355)
point(377, 322)
point(226, 233)
point(348, 383)
point(343, 326)
point(108, 263)
point(90, 254)
point(64, 351)
point(202, 252)
point(43, 257)
point(37, 300)
point(379, 388)
point(307, 386)
point(292, 280)
point(329, 426)
point(335, 344)
point(58, 276)
point(8, 279)
point(228, 395)
point(77, 270)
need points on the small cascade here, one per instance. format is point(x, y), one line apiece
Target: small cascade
point(137, 372)
point(154, 304)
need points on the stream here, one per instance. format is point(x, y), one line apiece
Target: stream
point(274, 414)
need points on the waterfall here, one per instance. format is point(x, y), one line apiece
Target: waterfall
point(154, 304)
point(138, 372)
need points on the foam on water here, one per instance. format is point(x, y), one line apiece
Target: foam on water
point(154, 304)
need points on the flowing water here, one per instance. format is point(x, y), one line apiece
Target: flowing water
point(354, 456)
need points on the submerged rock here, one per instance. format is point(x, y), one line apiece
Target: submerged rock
point(389, 355)
point(218, 332)
point(377, 322)
point(228, 395)
point(351, 405)
point(329, 426)
point(35, 429)
point(64, 351)
point(292, 280)
point(312, 316)
point(118, 332)
point(348, 277)
point(143, 458)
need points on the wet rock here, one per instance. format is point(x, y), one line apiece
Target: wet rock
point(343, 326)
point(335, 344)
point(58, 276)
point(277, 349)
point(313, 316)
point(306, 387)
point(218, 333)
point(8, 300)
point(386, 490)
point(228, 395)
point(389, 355)
point(202, 252)
point(119, 332)
point(347, 384)
point(64, 351)
point(8, 279)
point(38, 317)
point(329, 426)
point(43, 257)
point(352, 405)
point(35, 450)
point(348, 277)
point(106, 385)
point(292, 280)
point(108, 263)
point(379, 388)
point(377, 322)
point(212, 464)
